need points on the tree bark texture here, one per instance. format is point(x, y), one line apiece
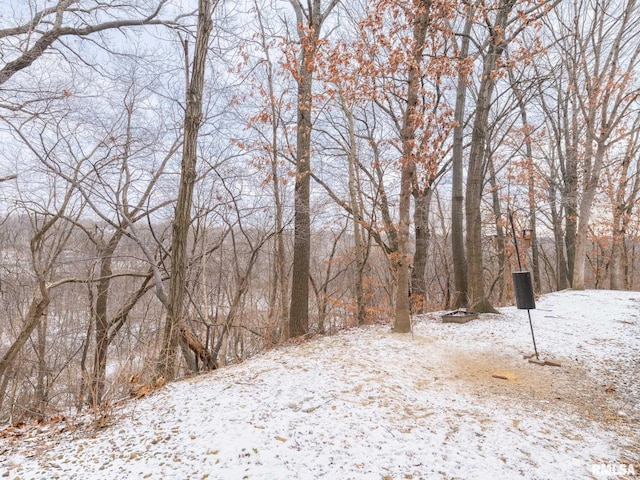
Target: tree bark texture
point(422, 203)
point(37, 310)
point(457, 187)
point(166, 366)
point(309, 26)
point(402, 320)
point(299, 311)
point(477, 298)
point(280, 296)
point(359, 247)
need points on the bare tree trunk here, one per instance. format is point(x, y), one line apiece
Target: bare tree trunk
point(535, 257)
point(500, 237)
point(422, 202)
point(280, 293)
point(96, 391)
point(475, 183)
point(618, 258)
point(309, 25)
point(571, 207)
point(561, 276)
point(42, 382)
point(37, 309)
point(586, 202)
point(475, 175)
point(85, 375)
point(530, 180)
point(457, 197)
point(359, 247)
point(402, 321)
point(281, 265)
point(166, 366)
point(299, 311)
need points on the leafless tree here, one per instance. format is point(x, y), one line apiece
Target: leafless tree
point(166, 367)
point(309, 21)
point(587, 108)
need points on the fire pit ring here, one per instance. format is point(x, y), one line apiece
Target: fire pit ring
point(459, 316)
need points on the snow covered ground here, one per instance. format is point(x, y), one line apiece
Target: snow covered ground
point(450, 401)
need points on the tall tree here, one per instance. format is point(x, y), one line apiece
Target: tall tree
point(528, 129)
point(107, 240)
point(166, 366)
point(271, 116)
point(457, 166)
point(310, 19)
point(498, 41)
point(607, 94)
point(360, 249)
point(588, 97)
point(504, 21)
point(557, 101)
point(410, 121)
point(400, 63)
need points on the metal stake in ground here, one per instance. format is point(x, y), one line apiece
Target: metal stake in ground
point(523, 288)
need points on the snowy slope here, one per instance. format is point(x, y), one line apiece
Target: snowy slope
point(370, 404)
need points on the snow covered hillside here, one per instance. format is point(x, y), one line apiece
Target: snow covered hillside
point(450, 401)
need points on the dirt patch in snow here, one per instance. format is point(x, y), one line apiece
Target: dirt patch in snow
point(557, 388)
point(571, 388)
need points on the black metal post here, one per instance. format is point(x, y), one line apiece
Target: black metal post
point(515, 243)
point(533, 337)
